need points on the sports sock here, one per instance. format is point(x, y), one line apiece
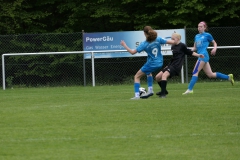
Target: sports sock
point(222, 76)
point(150, 83)
point(159, 83)
point(192, 82)
point(136, 89)
point(164, 86)
point(166, 92)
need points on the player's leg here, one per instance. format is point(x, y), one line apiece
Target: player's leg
point(150, 87)
point(158, 78)
point(137, 78)
point(198, 67)
point(148, 71)
point(207, 69)
point(150, 83)
point(169, 72)
point(165, 75)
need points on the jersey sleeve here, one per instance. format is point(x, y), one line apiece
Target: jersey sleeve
point(186, 50)
point(210, 37)
point(141, 47)
point(161, 40)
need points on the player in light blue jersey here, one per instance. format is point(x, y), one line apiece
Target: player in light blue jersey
point(201, 43)
point(152, 46)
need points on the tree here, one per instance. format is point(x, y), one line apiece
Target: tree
point(69, 16)
point(22, 16)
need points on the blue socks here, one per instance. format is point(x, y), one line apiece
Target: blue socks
point(195, 78)
point(222, 76)
point(150, 81)
point(150, 84)
point(192, 82)
point(136, 87)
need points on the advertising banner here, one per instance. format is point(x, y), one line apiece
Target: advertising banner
point(109, 41)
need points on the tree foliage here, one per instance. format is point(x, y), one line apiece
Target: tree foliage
point(69, 16)
point(21, 21)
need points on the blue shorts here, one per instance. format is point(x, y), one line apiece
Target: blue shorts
point(147, 69)
point(205, 59)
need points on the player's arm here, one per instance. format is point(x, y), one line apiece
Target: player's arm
point(132, 51)
point(213, 52)
point(169, 41)
point(197, 55)
point(194, 47)
point(190, 52)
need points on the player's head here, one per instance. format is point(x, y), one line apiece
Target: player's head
point(150, 34)
point(202, 26)
point(176, 38)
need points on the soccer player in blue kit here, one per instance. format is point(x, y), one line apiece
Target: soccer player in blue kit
point(201, 43)
point(152, 46)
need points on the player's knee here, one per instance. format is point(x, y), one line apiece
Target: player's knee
point(158, 78)
point(164, 76)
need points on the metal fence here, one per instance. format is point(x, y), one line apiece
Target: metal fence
point(72, 69)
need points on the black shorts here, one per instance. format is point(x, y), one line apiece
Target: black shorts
point(173, 72)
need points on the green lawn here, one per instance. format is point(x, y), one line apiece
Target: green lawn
point(90, 123)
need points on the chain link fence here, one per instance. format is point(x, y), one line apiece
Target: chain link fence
point(69, 69)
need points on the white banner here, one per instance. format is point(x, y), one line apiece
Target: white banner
point(103, 41)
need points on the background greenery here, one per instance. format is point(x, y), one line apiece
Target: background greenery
point(28, 26)
point(70, 16)
point(102, 123)
point(67, 69)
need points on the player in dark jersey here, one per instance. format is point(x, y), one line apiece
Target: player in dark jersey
point(179, 51)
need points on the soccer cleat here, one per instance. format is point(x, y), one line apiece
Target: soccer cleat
point(162, 96)
point(159, 93)
point(188, 92)
point(135, 98)
point(146, 95)
point(231, 79)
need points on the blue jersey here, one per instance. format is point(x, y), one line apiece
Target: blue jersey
point(153, 50)
point(202, 42)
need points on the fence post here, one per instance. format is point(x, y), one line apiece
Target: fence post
point(93, 70)
point(3, 73)
point(84, 67)
point(186, 63)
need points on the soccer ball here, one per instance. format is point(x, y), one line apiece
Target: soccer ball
point(142, 91)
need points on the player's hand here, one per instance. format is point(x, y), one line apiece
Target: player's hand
point(201, 55)
point(213, 52)
point(123, 43)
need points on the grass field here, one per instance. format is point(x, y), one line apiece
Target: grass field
point(102, 123)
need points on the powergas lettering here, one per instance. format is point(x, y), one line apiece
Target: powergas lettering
point(99, 39)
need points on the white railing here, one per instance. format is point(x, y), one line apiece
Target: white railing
point(81, 52)
point(50, 53)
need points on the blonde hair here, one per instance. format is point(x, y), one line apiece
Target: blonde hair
point(177, 35)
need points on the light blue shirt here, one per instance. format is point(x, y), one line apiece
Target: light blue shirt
point(202, 42)
point(153, 50)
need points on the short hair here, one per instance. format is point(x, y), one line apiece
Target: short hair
point(177, 35)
